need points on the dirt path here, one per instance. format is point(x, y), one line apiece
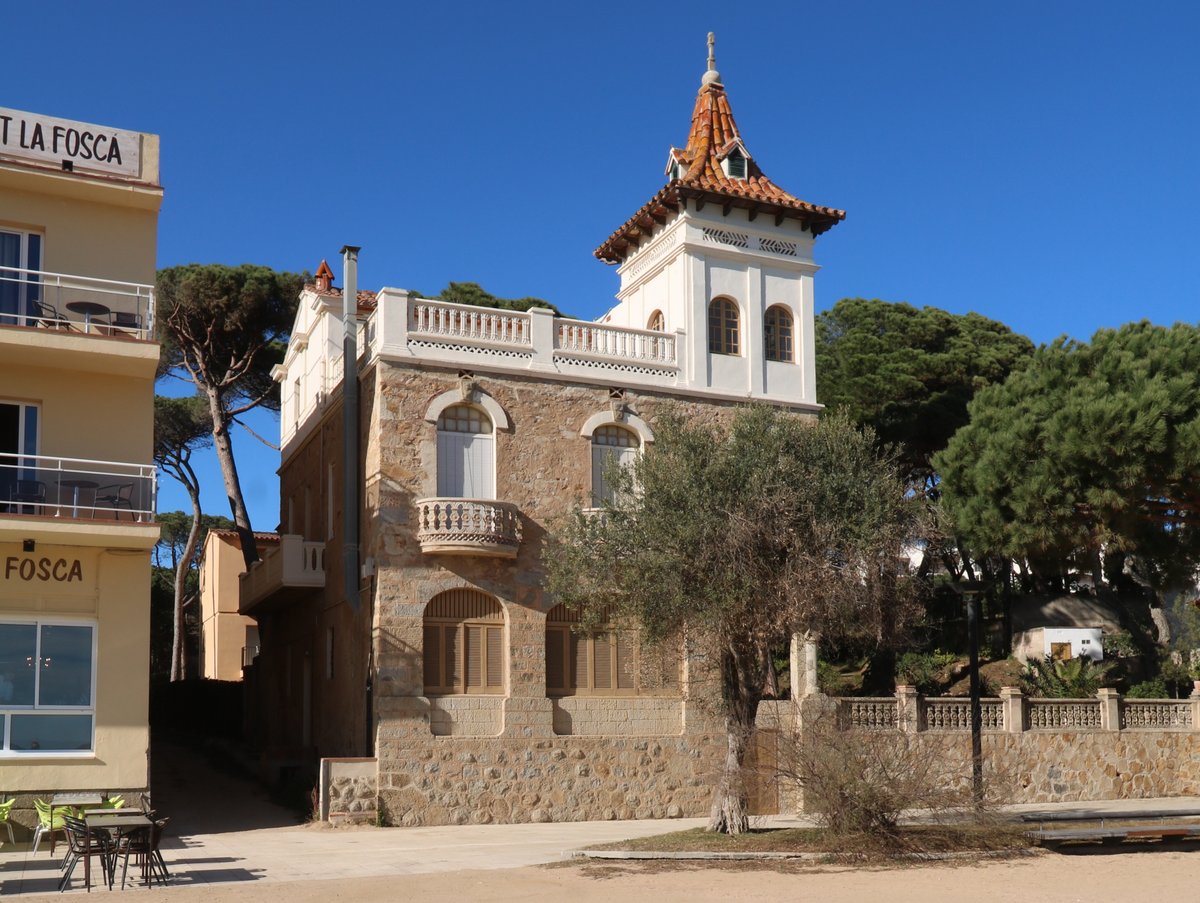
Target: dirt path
point(1046, 876)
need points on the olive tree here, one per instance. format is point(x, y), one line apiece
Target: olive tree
point(736, 538)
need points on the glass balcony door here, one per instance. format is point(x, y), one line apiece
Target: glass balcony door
point(19, 292)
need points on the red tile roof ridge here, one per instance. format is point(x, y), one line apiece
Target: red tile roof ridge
point(259, 536)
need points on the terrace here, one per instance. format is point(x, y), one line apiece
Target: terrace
point(79, 305)
point(76, 488)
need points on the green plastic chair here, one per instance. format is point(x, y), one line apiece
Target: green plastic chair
point(50, 821)
point(5, 812)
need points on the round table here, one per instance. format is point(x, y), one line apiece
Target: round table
point(89, 309)
point(75, 486)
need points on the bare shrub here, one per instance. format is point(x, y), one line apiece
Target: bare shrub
point(861, 782)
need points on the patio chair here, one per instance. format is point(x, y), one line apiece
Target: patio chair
point(27, 492)
point(125, 324)
point(49, 317)
point(5, 815)
point(83, 844)
point(112, 802)
point(144, 845)
point(50, 821)
point(115, 496)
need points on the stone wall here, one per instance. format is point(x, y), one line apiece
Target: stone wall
point(618, 716)
point(349, 790)
point(1044, 750)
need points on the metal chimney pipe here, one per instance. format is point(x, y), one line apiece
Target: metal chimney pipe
point(350, 480)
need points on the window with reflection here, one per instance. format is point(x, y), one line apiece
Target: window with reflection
point(657, 323)
point(777, 337)
point(47, 687)
point(723, 327)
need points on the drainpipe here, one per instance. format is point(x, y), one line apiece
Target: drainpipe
point(350, 505)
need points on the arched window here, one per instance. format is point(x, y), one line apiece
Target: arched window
point(610, 444)
point(466, 453)
point(463, 644)
point(656, 323)
point(723, 327)
point(777, 334)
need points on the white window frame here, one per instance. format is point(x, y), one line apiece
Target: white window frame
point(7, 711)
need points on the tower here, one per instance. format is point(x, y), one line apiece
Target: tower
point(725, 255)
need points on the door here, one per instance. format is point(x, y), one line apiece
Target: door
point(19, 291)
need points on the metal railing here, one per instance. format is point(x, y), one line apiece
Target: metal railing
point(76, 487)
point(76, 304)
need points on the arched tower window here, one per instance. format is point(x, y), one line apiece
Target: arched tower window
point(466, 453)
point(777, 334)
point(463, 644)
point(610, 444)
point(723, 337)
point(656, 323)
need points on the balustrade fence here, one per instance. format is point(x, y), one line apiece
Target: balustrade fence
point(1013, 712)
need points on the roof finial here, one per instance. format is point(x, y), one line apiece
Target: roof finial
point(712, 76)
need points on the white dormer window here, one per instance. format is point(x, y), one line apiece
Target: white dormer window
point(734, 165)
point(676, 171)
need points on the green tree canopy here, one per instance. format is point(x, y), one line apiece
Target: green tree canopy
point(909, 373)
point(738, 538)
point(473, 293)
point(224, 328)
point(1090, 453)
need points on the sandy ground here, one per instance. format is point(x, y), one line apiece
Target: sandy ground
point(1093, 877)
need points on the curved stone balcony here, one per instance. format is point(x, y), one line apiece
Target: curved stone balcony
point(450, 526)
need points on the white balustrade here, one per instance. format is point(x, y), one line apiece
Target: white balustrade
point(954, 714)
point(1064, 713)
point(865, 713)
point(452, 526)
point(465, 323)
point(1156, 714)
point(615, 342)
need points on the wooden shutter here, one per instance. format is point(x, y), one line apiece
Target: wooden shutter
point(626, 647)
point(474, 658)
point(495, 657)
point(453, 658)
point(603, 651)
point(579, 663)
point(556, 660)
point(433, 658)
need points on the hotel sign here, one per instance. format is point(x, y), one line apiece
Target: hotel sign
point(98, 148)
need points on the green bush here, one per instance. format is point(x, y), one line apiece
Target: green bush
point(1075, 678)
point(926, 671)
point(1149, 689)
point(1120, 645)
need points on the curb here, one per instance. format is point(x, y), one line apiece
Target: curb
point(799, 856)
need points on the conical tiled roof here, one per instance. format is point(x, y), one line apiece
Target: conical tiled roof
point(713, 136)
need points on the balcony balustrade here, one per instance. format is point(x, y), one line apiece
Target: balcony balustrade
point(288, 570)
point(80, 305)
point(450, 526)
point(45, 486)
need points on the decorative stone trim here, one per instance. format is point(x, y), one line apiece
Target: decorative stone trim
point(625, 419)
point(450, 526)
point(475, 396)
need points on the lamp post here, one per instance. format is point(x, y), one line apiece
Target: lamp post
point(971, 590)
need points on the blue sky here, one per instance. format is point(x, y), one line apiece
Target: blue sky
point(1035, 162)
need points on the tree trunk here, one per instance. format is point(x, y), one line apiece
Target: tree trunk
point(223, 445)
point(178, 639)
point(729, 813)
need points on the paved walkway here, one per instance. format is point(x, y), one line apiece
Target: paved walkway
point(224, 830)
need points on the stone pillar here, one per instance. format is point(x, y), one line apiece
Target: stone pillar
point(391, 321)
point(908, 709)
point(1110, 709)
point(1012, 702)
point(541, 334)
point(803, 661)
point(1195, 698)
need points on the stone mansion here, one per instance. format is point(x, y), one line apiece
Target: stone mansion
point(452, 678)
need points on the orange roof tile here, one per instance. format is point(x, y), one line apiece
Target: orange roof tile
point(714, 133)
point(367, 299)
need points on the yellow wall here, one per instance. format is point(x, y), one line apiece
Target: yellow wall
point(222, 630)
point(115, 594)
point(94, 416)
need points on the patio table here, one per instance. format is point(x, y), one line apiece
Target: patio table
point(77, 798)
point(118, 825)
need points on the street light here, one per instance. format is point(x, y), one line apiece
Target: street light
point(971, 590)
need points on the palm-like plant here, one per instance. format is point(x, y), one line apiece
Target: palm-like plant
point(1074, 678)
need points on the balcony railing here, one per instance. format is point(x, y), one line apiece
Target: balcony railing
point(76, 487)
point(637, 346)
point(449, 526)
point(76, 304)
point(293, 567)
